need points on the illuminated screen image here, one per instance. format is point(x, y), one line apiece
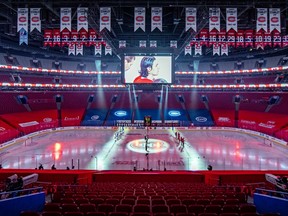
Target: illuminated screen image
point(145, 69)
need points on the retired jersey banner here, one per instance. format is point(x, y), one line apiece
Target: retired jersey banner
point(214, 19)
point(198, 49)
point(122, 44)
point(79, 49)
point(65, 37)
point(191, 19)
point(23, 37)
point(35, 21)
point(194, 40)
point(216, 49)
point(71, 49)
point(204, 37)
point(249, 34)
point(92, 37)
point(105, 18)
point(277, 40)
point(188, 49)
point(173, 44)
point(222, 37)
point(231, 38)
point(74, 36)
point(274, 19)
point(56, 37)
point(65, 19)
point(98, 49)
point(48, 37)
point(284, 40)
point(213, 38)
point(139, 18)
point(83, 37)
point(156, 18)
point(108, 49)
point(259, 40)
point(240, 38)
point(267, 39)
point(224, 49)
point(142, 43)
point(82, 21)
point(153, 43)
point(231, 19)
point(22, 21)
point(261, 19)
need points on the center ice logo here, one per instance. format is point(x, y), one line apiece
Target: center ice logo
point(153, 145)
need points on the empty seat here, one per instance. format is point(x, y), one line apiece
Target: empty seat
point(118, 214)
point(158, 202)
point(188, 202)
point(230, 208)
point(52, 207)
point(143, 201)
point(178, 208)
point(160, 208)
point(196, 209)
point(217, 202)
point(123, 208)
point(107, 208)
point(112, 201)
point(213, 209)
point(128, 201)
point(173, 202)
point(140, 214)
point(228, 214)
point(51, 213)
point(96, 213)
point(141, 208)
point(232, 201)
point(208, 214)
point(203, 202)
point(247, 208)
point(87, 207)
point(69, 207)
point(73, 214)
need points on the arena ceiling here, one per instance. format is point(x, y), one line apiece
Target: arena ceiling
point(122, 22)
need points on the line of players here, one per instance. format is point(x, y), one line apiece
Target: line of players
point(118, 134)
point(181, 141)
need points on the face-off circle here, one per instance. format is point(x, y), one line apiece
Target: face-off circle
point(153, 146)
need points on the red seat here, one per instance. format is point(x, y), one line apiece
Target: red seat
point(69, 207)
point(230, 208)
point(229, 214)
point(118, 214)
point(123, 208)
point(107, 208)
point(178, 208)
point(196, 209)
point(160, 208)
point(52, 207)
point(73, 214)
point(87, 207)
point(51, 213)
point(247, 208)
point(158, 202)
point(213, 209)
point(141, 208)
point(96, 213)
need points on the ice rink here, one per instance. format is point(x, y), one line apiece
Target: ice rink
point(126, 149)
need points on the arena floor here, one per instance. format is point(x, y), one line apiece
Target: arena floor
point(126, 149)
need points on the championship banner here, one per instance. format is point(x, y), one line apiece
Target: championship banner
point(65, 37)
point(22, 21)
point(261, 19)
point(105, 18)
point(194, 40)
point(74, 36)
point(83, 36)
point(65, 19)
point(188, 49)
point(23, 37)
point(213, 38)
point(240, 39)
point(284, 40)
point(79, 49)
point(224, 49)
point(48, 37)
point(231, 19)
point(142, 43)
point(98, 49)
point(222, 37)
point(214, 19)
point(216, 49)
point(35, 21)
point(249, 34)
point(122, 44)
point(191, 19)
point(92, 37)
point(231, 39)
point(108, 49)
point(56, 37)
point(153, 43)
point(173, 44)
point(198, 49)
point(82, 21)
point(139, 18)
point(71, 49)
point(259, 40)
point(277, 40)
point(267, 41)
point(204, 37)
point(156, 18)
point(274, 19)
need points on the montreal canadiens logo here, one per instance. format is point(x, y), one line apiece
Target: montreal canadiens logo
point(105, 18)
point(261, 19)
point(156, 18)
point(95, 117)
point(201, 119)
point(120, 113)
point(139, 18)
point(22, 19)
point(153, 146)
point(231, 19)
point(214, 19)
point(190, 18)
point(274, 19)
point(65, 18)
point(35, 19)
point(82, 18)
point(47, 120)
